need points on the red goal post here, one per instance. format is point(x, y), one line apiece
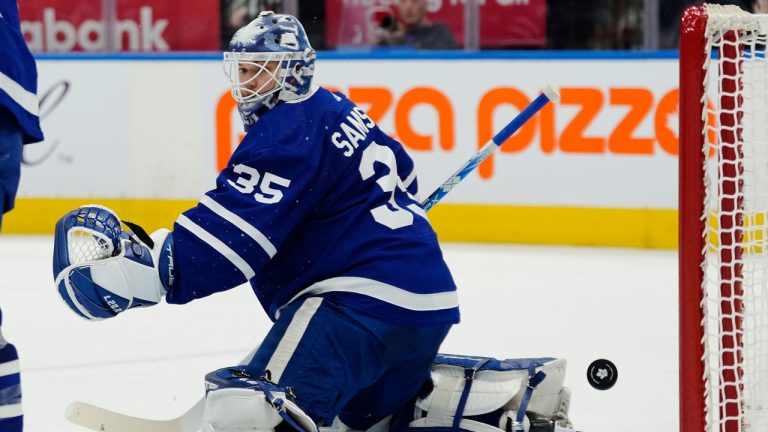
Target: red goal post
point(723, 233)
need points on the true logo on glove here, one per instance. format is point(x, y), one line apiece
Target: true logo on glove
point(171, 277)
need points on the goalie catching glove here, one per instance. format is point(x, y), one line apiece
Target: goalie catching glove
point(101, 270)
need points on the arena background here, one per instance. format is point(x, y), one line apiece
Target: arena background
point(137, 116)
point(147, 135)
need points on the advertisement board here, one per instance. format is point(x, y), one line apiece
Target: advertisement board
point(139, 25)
point(161, 130)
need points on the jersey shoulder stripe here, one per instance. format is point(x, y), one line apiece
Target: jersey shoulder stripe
point(383, 292)
point(23, 98)
point(217, 245)
point(241, 224)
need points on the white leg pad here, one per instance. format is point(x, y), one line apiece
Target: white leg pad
point(339, 426)
point(239, 410)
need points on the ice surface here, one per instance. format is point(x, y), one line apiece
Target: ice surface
point(517, 301)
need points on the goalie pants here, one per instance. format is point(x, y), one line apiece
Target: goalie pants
point(339, 362)
point(10, 160)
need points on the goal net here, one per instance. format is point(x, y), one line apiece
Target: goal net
point(723, 226)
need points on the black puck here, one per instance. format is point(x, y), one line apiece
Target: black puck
point(602, 374)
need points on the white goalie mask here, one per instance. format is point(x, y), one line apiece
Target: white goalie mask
point(270, 59)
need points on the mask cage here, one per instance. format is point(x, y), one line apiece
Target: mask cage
point(261, 61)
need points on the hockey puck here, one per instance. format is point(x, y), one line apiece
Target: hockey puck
point(602, 374)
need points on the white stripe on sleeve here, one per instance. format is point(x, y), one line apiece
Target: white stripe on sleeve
point(381, 291)
point(292, 337)
point(239, 222)
point(19, 94)
point(218, 245)
point(10, 411)
point(9, 368)
point(411, 177)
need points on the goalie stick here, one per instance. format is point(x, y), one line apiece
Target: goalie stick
point(548, 94)
point(104, 420)
point(101, 419)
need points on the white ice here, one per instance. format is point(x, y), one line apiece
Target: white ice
point(517, 301)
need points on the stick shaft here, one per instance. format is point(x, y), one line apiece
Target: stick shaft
point(488, 149)
point(101, 419)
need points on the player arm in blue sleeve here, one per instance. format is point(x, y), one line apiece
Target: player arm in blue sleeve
point(101, 269)
point(238, 227)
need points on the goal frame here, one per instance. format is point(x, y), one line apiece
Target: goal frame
point(694, 224)
point(690, 238)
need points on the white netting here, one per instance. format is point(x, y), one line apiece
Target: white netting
point(85, 245)
point(736, 256)
point(94, 234)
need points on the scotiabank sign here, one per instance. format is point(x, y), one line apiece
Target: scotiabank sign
point(139, 25)
point(503, 23)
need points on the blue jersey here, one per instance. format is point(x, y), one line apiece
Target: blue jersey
point(18, 74)
point(317, 201)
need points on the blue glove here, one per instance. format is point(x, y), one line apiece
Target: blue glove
point(101, 270)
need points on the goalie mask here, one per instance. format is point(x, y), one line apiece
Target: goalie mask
point(269, 60)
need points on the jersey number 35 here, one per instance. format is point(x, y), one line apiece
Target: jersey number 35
point(391, 214)
point(250, 178)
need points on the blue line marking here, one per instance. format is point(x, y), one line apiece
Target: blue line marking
point(378, 55)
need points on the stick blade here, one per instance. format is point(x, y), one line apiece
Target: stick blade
point(103, 420)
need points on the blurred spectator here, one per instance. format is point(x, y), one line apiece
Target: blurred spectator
point(312, 15)
point(414, 29)
point(599, 24)
point(670, 12)
point(567, 30)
